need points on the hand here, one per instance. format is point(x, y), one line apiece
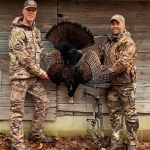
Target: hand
point(43, 75)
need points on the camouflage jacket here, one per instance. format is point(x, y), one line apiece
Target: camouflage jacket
point(118, 54)
point(25, 50)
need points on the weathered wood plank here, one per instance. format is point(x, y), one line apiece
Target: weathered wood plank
point(85, 108)
point(0, 80)
point(5, 79)
point(28, 114)
point(5, 35)
point(4, 61)
point(4, 49)
point(29, 101)
point(141, 107)
point(48, 85)
point(79, 98)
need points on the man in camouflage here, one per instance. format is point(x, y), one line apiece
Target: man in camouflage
point(118, 53)
point(25, 74)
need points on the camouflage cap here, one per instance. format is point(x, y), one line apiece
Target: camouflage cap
point(30, 3)
point(119, 18)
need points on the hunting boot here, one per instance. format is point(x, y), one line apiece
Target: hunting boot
point(131, 147)
point(41, 138)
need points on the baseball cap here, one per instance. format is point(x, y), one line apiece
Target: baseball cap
point(30, 3)
point(119, 18)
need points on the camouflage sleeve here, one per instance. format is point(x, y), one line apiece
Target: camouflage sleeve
point(18, 46)
point(126, 58)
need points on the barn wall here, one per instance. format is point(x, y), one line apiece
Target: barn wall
point(95, 15)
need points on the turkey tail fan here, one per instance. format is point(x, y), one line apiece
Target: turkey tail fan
point(74, 34)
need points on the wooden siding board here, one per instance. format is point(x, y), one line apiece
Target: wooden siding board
point(29, 102)
point(0, 80)
point(141, 107)
point(4, 49)
point(28, 115)
point(79, 98)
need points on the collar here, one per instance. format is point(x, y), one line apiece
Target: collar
point(115, 38)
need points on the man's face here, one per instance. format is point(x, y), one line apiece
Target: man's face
point(117, 27)
point(29, 14)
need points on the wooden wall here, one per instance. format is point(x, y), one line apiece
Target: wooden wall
point(94, 14)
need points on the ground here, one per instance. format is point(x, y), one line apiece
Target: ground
point(66, 143)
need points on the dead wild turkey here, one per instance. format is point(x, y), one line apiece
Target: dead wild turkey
point(69, 64)
point(68, 38)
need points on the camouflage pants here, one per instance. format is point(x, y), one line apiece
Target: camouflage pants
point(19, 89)
point(121, 102)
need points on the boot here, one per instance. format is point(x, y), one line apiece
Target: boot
point(42, 139)
point(131, 147)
